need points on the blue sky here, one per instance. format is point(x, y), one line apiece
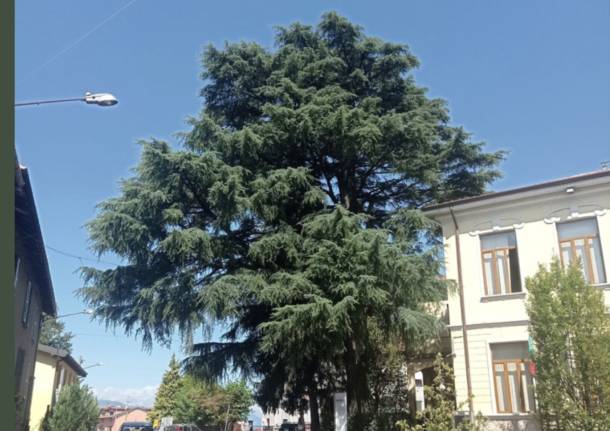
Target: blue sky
point(530, 77)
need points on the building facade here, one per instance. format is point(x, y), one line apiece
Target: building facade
point(108, 414)
point(502, 238)
point(111, 418)
point(273, 420)
point(54, 369)
point(33, 293)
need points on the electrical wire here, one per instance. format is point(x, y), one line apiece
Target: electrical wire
point(76, 42)
point(31, 237)
point(80, 258)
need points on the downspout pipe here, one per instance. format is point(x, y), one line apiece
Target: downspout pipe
point(463, 314)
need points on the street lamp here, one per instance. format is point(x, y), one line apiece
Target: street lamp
point(97, 364)
point(87, 311)
point(100, 99)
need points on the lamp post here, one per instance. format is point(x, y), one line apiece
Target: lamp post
point(97, 364)
point(100, 99)
point(87, 311)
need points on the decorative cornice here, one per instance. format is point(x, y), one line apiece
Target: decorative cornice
point(574, 212)
point(497, 225)
point(491, 324)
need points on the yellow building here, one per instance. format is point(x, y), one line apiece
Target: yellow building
point(33, 293)
point(54, 369)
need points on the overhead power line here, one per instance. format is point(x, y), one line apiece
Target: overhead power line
point(76, 42)
point(80, 258)
point(65, 253)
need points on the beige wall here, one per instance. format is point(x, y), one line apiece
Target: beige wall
point(534, 222)
point(26, 337)
point(44, 384)
point(47, 382)
point(504, 318)
point(479, 341)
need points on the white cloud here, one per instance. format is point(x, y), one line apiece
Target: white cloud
point(142, 397)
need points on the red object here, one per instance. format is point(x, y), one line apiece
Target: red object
point(532, 366)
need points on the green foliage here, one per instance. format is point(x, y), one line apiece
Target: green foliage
point(191, 400)
point(440, 410)
point(76, 410)
point(166, 397)
point(290, 215)
point(209, 404)
point(53, 333)
point(571, 331)
point(389, 385)
point(239, 399)
point(193, 403)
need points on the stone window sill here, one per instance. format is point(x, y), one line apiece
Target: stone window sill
point(491, 298)
point(505, 416)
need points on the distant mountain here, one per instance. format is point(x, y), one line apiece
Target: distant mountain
point(106, 403)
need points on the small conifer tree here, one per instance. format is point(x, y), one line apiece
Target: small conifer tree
point(167, 394)
point(76, 410)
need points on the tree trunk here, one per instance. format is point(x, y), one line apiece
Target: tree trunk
point(314, 407)
point(327, 419)
point(356, 387)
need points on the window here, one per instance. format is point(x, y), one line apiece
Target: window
point(25, 314)
point(500, 263)
point(579, 240)
point(513, 382)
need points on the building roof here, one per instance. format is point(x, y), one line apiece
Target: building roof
point(482, 198)
point(123, 409)
point(28, 229)
point(65, 356)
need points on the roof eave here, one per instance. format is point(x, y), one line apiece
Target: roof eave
point(493, 197)
point(65, 356)
point(44, 274)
